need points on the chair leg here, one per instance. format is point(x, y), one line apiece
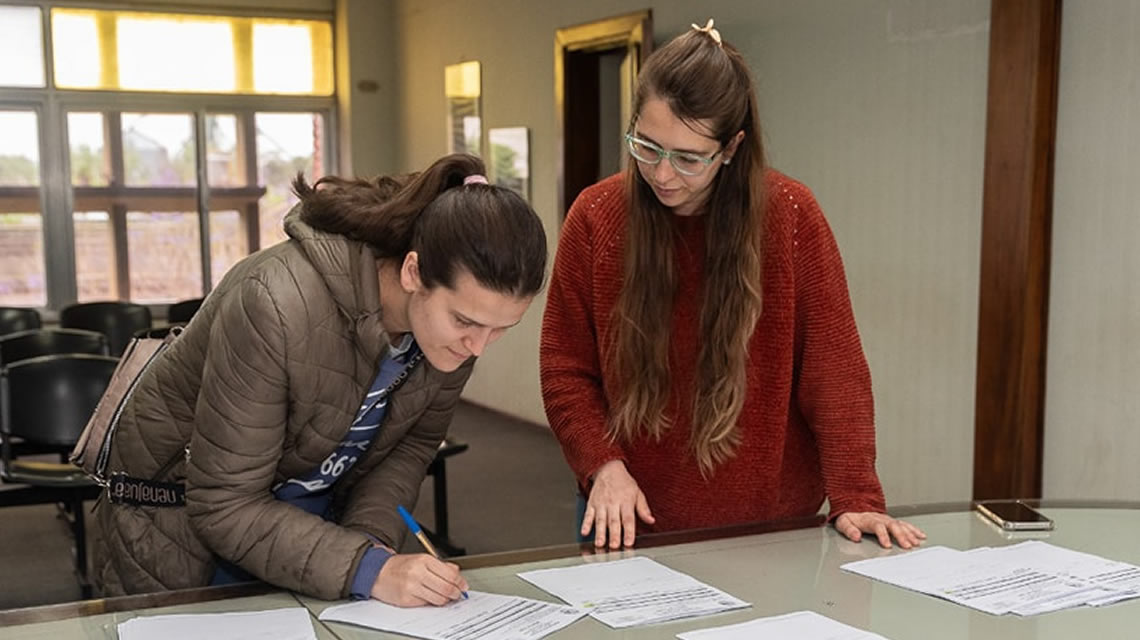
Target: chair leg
point(439, 537)
point(449, 549)
point(439, 487)
point(79, 531)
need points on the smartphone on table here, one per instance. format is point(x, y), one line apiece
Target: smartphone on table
point(1014, 515)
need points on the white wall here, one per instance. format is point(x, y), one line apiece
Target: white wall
point(366, 87)
point(1092, 439)
point(878, 105)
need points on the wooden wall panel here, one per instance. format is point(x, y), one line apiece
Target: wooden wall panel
point(1016, 229)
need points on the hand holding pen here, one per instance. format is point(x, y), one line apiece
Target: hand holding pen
point(418, 532)
point(414, 580)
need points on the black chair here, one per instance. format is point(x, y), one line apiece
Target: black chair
point(440, 536)
point(13, 319)
point(42, 342)
point(181, 312)
point(45, 342)
point(159, 332)
point(116, 320)
point(47, 401)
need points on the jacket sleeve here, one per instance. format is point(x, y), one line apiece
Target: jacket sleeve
point(371, 504)
point(834, 382)
point(236, 446)
point(569, 366)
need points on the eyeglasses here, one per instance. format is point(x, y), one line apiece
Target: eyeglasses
point(684, 162)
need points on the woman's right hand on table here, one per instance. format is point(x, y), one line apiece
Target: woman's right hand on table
point(614, 506)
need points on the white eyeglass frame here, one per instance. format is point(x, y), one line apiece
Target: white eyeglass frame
point(632, 140)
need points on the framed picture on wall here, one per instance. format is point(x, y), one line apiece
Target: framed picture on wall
point(509, 164)
point(463, 89)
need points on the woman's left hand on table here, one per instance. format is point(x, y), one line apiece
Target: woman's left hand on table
point(854, 524)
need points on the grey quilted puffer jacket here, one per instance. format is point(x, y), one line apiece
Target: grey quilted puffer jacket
point(262, 386)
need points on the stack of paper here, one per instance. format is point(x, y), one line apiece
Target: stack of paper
point(801, 625)
point(276, 624)
point(630, 592)
point(486, 616)
point(1023, 579)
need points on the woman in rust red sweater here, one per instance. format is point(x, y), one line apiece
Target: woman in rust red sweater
point(700, 361)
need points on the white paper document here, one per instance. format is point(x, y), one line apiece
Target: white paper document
point(634, 591)
point(1110, 580)
point(276, 624)
point(486, 616)
point(1024, 579)
point(801, 625)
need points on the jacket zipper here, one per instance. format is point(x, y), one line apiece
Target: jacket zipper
point(105, 448)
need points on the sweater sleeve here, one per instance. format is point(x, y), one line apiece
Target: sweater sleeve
point(834, 382)
point(367, 572)
point(569, 365)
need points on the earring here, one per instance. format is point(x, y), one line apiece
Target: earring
point(727, 160)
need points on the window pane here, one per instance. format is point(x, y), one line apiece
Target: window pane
point(164, 256)
point(90, 161)
point(22, 260)
point(153, 53)
point(224, 158)
point(21, 226)
point(75, 49)
point(158, 150)
point(21, 47)
point(95, 257)
point(228, 242)
point(293, 56)
point(19, 149)
point(286, 143)
point(143, 51)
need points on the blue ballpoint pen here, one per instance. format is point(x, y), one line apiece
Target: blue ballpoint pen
point(420, 535)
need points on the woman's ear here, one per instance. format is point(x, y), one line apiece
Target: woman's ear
point(410, 273)
point(730, 150)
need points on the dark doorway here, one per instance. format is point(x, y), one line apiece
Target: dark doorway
point(595, 68)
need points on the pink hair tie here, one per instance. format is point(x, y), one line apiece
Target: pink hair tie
point(475, 178)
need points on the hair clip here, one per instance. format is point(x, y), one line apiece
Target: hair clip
point(712, 33)
point(475, 178)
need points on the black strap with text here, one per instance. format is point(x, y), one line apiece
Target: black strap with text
point(125, 489)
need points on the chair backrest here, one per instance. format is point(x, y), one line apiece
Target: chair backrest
point(159, 332)
point(13, 319)
point(48, 400)
point(116, 320)
point(46, 342)
point(181, 312)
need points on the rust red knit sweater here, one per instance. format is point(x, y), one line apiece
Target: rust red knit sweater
point(808, 418)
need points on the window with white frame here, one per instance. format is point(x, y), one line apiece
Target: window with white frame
point(142, 154)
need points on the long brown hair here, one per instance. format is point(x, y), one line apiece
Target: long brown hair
point(488, 230)
point(705, 82)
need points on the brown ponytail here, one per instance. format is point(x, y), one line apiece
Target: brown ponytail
point(487, 230)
